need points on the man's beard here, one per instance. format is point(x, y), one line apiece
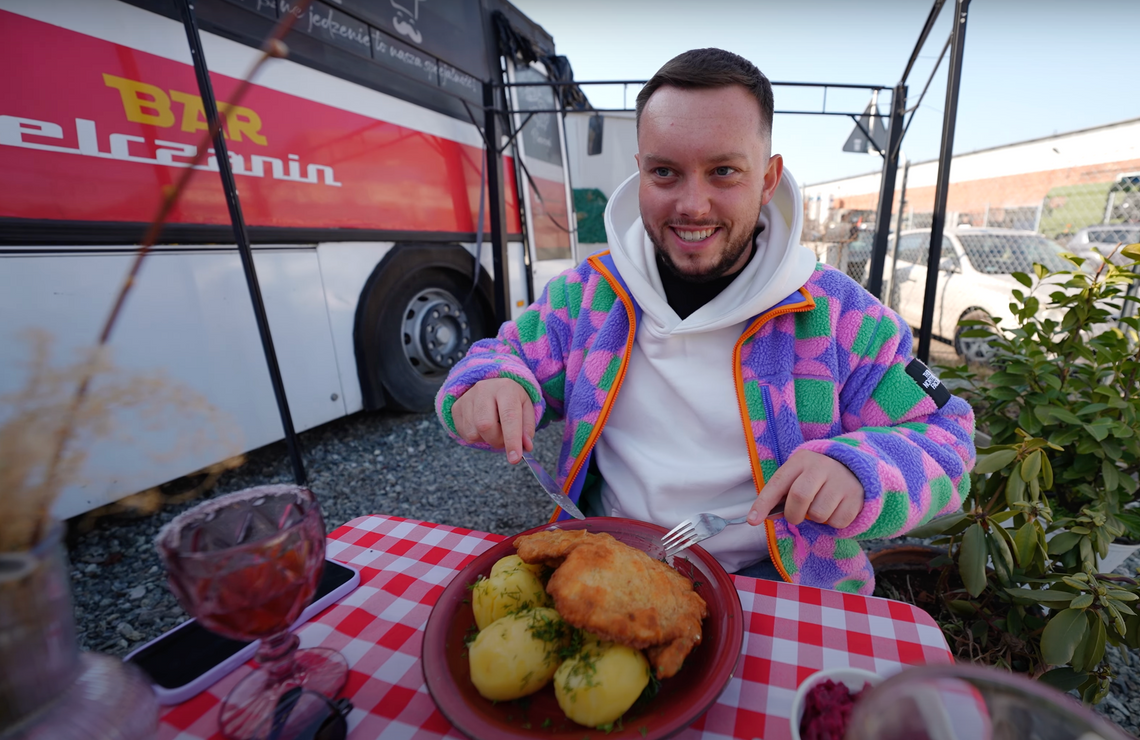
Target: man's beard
point(722, 267)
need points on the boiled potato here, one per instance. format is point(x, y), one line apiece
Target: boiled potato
point(600, 683)
point(516, 655)
point(513, 586)
point(512, 562)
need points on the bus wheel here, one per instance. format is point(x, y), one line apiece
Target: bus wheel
point(424, 331)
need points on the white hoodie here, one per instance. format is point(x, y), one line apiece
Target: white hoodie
point(674, 443)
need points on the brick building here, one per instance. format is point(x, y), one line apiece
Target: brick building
point(1054, 185)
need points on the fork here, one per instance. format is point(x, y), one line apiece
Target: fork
point(700, 527)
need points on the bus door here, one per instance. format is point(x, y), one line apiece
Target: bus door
point(543, 177)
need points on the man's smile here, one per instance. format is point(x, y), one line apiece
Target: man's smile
point(691, 237)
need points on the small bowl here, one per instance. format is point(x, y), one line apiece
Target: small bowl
point(853, 678)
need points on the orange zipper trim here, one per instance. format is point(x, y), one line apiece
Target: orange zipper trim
point(738, 374)
point(627, 302)
point(774, 550)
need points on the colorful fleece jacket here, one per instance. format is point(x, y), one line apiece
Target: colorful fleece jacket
point(825, 370)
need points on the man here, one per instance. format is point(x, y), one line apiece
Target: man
point(707, 363)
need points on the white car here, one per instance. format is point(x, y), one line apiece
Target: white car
point(975, 280)
point(1105, 239)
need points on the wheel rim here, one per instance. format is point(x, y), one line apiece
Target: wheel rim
point(437, 332)
point(976, 349)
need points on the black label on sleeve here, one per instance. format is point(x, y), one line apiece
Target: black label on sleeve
point(928, 381)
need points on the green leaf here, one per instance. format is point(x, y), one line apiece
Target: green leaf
point(1090, 651)
point(1132, 251)
point(1051, 598)
point(1047, 473)
point(1002, 558)
point(1063, 542)
point(1022, 278)
point(1065, 415)
point(994, 461)
point(1098, 431)
point(1122, 595)
point(938, 526)
point(1083, 601)
point(1031, 466)
point(972, 559)
point(1063, 679)
point(1014, 490)
point(1111, 475)
point(1088, 561)
point(1062, 635)
point(962, 608)
point(1025, 544)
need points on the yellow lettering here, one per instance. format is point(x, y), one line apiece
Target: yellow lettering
point(142, 103)
point(236, 119)
point(193, 114)
point(240, 120)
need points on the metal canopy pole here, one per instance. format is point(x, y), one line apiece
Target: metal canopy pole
point(497, 205)
point(891, 287)
point(938, 223)
point(206, 90)
point(887, 192)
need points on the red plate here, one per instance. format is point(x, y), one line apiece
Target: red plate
point(680, 701)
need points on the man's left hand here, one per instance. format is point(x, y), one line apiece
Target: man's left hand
point(816, 487)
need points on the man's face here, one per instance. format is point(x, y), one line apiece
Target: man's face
point(705, 173)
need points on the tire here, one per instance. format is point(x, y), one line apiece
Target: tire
point(414, 322)
point(424, 331)
point(976, 350)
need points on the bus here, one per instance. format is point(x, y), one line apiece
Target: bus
point(359, 160)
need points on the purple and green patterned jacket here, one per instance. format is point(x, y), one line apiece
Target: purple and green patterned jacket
point(823, 370)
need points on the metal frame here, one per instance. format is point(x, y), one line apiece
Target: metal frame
point(896, 131)
point(206, 90)
point(942, 186)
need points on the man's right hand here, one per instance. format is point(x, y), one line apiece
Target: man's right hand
point(498, 412)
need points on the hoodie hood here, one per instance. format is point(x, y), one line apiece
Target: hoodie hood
point(780, 266)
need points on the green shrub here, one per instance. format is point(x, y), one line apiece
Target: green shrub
point(1049, 494)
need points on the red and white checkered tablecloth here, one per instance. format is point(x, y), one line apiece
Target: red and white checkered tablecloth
point(790, 632)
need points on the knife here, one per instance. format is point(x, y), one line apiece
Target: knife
point(552, 488)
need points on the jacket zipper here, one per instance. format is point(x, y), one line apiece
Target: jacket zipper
point(772, 424)
point(738, 375)
point(607, 405)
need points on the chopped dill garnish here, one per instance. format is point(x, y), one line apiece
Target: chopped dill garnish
point(479, 579)
point(575, 645)
point(643, 730)
point(470, 635)
point(546, 722)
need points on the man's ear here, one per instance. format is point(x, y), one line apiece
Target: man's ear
point(772, 176)
point(637, 161)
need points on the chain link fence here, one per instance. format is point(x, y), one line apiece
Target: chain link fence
point(1007, 208)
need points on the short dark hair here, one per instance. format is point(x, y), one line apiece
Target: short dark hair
point(701, 69)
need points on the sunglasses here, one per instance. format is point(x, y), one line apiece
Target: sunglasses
point(306, 715)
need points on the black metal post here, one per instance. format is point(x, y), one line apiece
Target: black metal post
point(497, 204)
point(942, 185)
point(887, 192)
point(206, 90)
point(891, 288)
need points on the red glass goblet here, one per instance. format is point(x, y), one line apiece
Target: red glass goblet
point(245, 565)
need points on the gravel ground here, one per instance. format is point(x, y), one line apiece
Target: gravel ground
point(398, 464)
